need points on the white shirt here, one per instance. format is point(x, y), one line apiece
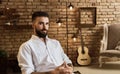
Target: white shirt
point(36, 56)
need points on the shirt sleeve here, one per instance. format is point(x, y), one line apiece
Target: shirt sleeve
point(65, 57)
point(25, 59)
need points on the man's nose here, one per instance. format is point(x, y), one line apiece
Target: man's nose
point(44, 26)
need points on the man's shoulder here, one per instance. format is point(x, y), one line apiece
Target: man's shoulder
point(54, 40)
point(26, 43)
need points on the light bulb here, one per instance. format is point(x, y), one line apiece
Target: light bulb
point(8, 23)
point(59, 24)
point(74, 39)
point(71, 8)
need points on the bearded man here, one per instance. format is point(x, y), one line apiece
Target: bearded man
point(41, 54)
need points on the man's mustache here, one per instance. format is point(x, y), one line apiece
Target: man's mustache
point(44, 30)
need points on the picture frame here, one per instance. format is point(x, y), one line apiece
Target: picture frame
point(87, 16)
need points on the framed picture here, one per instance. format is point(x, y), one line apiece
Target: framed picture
point(87, 16)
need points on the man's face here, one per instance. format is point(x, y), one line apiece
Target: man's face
point(41, 25)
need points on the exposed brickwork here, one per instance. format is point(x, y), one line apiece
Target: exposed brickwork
point(107, 12)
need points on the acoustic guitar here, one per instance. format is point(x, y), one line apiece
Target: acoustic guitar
point(83, 56)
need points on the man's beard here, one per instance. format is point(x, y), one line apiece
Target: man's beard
point(41, 34)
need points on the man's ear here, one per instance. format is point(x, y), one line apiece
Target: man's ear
point(33, 25)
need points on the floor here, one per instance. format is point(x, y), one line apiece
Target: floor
point(108, 68)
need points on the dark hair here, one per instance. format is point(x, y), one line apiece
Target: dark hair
point(39, 14)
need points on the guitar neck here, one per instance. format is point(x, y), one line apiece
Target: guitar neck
point(82, 43)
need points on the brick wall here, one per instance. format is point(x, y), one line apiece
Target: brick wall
point(11, 37)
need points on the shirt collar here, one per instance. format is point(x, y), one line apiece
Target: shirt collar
point(36, 37)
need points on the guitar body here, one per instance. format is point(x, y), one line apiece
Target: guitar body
point(83, 57)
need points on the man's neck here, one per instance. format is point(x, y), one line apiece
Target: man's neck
point(43, 39)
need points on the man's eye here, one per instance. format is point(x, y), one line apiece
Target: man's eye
point(47, 23)
point(40, 23)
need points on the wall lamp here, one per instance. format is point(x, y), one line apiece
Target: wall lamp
point(74, 37)
point(59, 21)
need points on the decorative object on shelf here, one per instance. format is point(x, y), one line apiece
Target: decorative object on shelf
point(8, 16)
point(59, 21)
point(87, 16)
